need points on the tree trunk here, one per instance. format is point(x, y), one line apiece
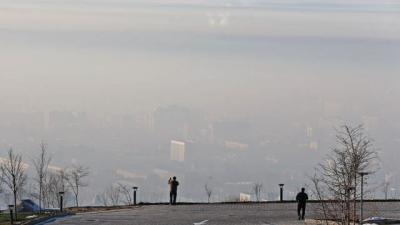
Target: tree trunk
point(15, 205)
point(40, 198)
point(355, 198)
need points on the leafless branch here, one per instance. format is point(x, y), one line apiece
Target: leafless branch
point(335, 177)
point(209, 192)
point(13, 174)
point(257, 188)
point(126, 194)
point(114, 194)
point(41, 163)
point(75, 177)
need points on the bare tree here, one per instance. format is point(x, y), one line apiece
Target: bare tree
point(114, 194)
point(209, 192)
point(395, 194)
point(55, 183)
point(49, 191)
point(62, 177)
point(385, 185)
point(75, 180)
point(13, 174)
point(41, 163)
point(103, 197)
point(126, 194)
point(257, 188)
point(60, 184)
point(335, 181)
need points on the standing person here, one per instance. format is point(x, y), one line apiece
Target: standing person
point(301, 199)
point(173, 191)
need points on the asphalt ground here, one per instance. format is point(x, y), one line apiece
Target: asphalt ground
point(215, 214)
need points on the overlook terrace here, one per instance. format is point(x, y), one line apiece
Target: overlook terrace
point(214, 213)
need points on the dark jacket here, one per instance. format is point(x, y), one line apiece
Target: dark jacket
point(174, 185)
point(302, 198)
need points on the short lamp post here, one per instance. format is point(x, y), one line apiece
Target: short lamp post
point(134, 194)
point(281, 192)
point(362, 174)
point(61, 193)
point(348, 204)
point(11, 214)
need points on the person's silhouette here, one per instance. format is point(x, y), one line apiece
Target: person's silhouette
point(301, 199)
point(173, 191)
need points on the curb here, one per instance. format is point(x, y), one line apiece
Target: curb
point(43, 219)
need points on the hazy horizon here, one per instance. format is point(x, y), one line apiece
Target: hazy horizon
point(271, 77)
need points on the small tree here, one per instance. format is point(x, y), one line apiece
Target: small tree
point(41, 163)
point(257, 188)
point(385, 185)
point(395, 194)
point(126, 194)
point(75, 180)
point(55, 183)
point(114, 194)
point(13, 174)
point(209, 192)
point(103, 197)
point(337, 178)
point(60, 183)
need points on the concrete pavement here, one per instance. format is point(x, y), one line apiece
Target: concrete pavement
point(213, 214)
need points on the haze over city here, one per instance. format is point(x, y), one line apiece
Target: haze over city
point(253, 89)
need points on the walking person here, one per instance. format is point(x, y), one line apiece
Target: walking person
point(301, 199)
point(173, 190)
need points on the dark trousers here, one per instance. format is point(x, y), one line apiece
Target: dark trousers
point(301, 207)
point(172, 197)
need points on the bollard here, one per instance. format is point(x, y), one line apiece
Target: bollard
point(61, 193)
point(11, 214)
point(281, 193)
point(134, 194)
point(61, 200)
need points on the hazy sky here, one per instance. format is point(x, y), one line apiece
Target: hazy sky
point(127, 55)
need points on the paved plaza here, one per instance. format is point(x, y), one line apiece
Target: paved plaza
point(214, 214)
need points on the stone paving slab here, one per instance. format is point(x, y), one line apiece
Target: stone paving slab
point(211, 214)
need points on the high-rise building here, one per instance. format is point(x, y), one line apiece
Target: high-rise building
point(178, 151)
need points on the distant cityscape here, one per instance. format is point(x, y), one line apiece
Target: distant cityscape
point(227, 153)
